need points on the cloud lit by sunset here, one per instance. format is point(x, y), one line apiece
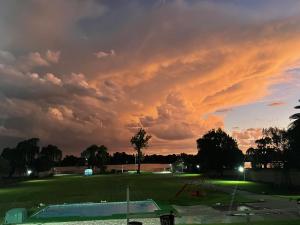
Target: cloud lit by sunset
point(75, 73)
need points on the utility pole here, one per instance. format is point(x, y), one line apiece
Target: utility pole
point(128, 208)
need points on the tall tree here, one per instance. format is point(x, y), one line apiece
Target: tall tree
point(252, 155)
point(217, 150)
point(294, 138)
point(96, 156)
point(4, 167)
point(265, 151)
point(139, 141)
point(279, 145)
point(270, 149)
point(52, 153)
point(48, 157)
point(90, 155)
point(23, 156)
point(29, 150)
point(102, 158)
point(14, 159)
point(279, 140)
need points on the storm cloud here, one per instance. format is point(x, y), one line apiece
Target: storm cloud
point(75, 73)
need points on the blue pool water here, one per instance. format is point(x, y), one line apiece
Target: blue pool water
point(96, 209)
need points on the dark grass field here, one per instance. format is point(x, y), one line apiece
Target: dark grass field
point(73, 189)
point(259, 188)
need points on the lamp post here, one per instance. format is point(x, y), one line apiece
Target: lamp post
point(128, 206)
point(29, 172)
point(242, 170)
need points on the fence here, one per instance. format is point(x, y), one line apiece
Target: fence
point(109, 168)
point(275, 176)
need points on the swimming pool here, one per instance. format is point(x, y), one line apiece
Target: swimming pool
point(95, 209)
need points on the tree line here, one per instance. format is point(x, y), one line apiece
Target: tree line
point(29, 156)
point(277, 148)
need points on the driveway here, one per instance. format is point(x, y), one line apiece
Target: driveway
point(262, 207)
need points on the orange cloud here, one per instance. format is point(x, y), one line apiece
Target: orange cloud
point(279, 103)
point(173, 70)
point(246, 138)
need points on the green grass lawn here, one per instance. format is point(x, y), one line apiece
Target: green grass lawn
point(72, 189)
point(245, 185)
point(255, 187)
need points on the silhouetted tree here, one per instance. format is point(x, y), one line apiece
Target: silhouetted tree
point(102, 157)
point(71, 160)
point(23, 156)
point(178, 166)
point(122, 158)
point(48, 157)
point(28, 150)
point(265, 151)
point(4, 167)
point(52, 153)
point(165, 159)
point(139, 141)
point(14, 159)
point(252, 156)
point(42, 163)
point(96, 156)
point(190, 162)
point(279, 145)
point(270, 150)
point(293, 155)
point(218, 151)
point(90, 155)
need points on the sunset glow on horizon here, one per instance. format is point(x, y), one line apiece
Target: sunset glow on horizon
point(76, 73)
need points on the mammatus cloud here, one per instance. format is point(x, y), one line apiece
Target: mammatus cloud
point(55, 113)
point(173, 70)
point(102, 54)
point(35, 59)
point(53, 56)
point(53, 79)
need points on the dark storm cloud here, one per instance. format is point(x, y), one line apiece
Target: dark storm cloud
point(93, 71)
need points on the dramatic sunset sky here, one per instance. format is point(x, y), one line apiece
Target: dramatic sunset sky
point(76, 73)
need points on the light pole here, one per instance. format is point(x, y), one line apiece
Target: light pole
point(242, 170)
point(29, 172)
point(128, 207)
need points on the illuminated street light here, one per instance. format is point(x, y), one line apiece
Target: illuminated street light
point(241, 169)
point(29, 172)
point(198, 166)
